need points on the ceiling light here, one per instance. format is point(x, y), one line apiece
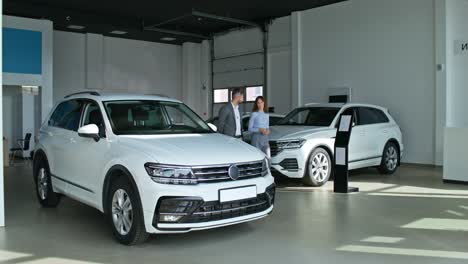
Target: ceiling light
point(118, 32)
point(77, 27)
point(168, 39)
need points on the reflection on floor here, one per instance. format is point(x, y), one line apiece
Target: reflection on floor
point(410, 217)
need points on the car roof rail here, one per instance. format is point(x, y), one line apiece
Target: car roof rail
point(160, 95)
point(88, 92)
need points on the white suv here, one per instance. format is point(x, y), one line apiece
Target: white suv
point(150, 164)
point(302, 143)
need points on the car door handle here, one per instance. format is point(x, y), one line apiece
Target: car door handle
point(72, 140)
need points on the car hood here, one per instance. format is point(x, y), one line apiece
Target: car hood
point(294, 132)
point(192, 149)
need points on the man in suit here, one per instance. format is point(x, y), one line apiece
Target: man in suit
point(230, 117)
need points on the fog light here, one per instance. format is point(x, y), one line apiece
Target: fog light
point(174, 209)
point(170, 218)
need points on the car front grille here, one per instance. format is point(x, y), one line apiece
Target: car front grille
point(215, 210)
point(219, 173)
point(274, 148)
point(289, 164)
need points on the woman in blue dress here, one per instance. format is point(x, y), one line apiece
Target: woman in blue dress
point(259, 126)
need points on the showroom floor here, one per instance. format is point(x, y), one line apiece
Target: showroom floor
point(411, 217)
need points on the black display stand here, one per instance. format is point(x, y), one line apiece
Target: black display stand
point(340, 160)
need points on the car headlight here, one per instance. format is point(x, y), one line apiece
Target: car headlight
point(265, 167)
point(168, 174)
point(291, 144)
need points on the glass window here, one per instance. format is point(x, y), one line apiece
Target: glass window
point(245, 123)
point(369, 116)
point(93, 115)
point(221, 96)
point(252, 92)
point(153, 117)
point(310, 116)
point(274, 120)
point(67, 115)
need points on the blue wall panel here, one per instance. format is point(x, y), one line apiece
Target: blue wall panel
point(22, 51)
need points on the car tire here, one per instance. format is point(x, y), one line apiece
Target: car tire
point(390, 159)
point(318, 169)
point(44, 190)
point(125, 213)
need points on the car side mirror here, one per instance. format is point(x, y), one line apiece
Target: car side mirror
point(213, 127)
point(89, 131)
point(353, 124)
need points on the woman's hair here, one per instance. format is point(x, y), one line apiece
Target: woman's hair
point(265, 106)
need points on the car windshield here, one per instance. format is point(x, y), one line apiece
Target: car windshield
point(153, 117)
point(310, 116)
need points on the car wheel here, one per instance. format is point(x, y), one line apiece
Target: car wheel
point(390, 159)
point(45, 193)
point(126, 214)
point(318, 168)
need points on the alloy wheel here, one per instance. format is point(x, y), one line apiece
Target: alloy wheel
point(42, 183)
point(391, 158)
point(122, 212)
point(319, 167)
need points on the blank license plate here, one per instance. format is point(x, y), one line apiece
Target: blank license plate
point(234, 194)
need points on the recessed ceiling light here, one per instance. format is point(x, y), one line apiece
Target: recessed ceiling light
point(168, 39)
point(77, 27)
point(118, 32)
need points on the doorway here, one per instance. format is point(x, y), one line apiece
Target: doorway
point(21, 116)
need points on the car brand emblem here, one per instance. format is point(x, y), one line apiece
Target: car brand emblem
point(233, 172)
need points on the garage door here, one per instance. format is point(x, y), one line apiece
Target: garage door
point(237, 66)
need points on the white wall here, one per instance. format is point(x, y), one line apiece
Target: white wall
point(384, 50)
point(127, 66)
point(455, 151)
point(279, 65)
point(457, 63)
point(196, 77)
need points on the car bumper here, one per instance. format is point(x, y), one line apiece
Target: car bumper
point(290, 162)
point(152, 194)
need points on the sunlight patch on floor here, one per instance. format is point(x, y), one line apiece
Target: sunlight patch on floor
point(383, 239)
point(404, 252)
point(6, 255)
point(439, 224)
point(452, 212)
point(56, 261)
point(422, 190)
point(419, 195)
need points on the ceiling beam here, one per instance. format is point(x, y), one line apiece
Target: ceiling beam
point(175, 32)
point(227, 19)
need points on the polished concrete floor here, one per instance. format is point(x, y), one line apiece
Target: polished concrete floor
point(410, 217)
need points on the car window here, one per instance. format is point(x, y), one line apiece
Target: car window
point(93, 115)
point(369, 116)
point(274, 120)
point(310, 116)
point(178, 117)
point(67, 115)
point(153, 117)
